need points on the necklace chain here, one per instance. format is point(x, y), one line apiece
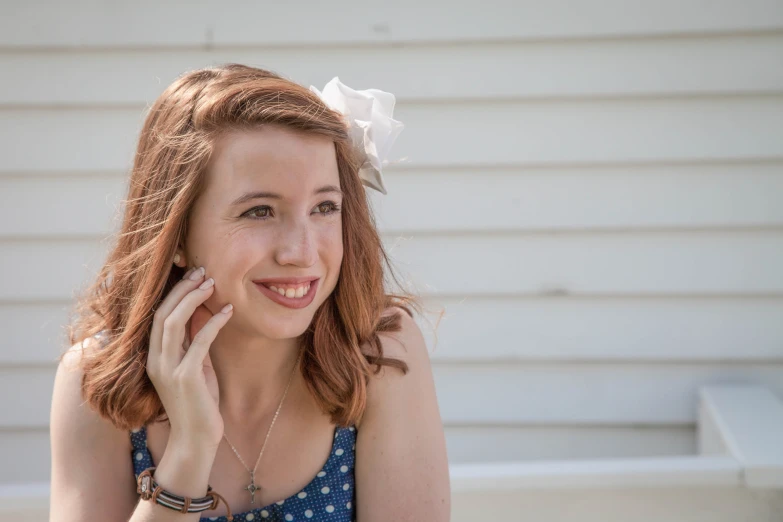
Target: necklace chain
point(252, 488)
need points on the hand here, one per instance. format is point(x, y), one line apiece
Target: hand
point(178, 362)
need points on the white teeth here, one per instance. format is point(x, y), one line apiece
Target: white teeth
point(297, 292)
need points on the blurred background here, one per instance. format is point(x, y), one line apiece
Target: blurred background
point(592, 192)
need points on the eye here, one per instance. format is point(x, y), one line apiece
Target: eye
point(262, 212)
point(330, 206)
point(262, 208)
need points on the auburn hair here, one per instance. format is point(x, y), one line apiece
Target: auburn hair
point(340, 347)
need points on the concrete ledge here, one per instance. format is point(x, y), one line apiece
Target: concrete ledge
point(746, 423)
point(656, 472)
point(740, 430)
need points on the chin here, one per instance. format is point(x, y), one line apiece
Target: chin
point(282, 327)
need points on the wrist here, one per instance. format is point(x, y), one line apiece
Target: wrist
point(191, 443)
point(184, 469)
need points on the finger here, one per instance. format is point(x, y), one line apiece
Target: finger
point(186, 340)
point(200, 316)
point(175, 325)
point(197, 321)
point(199, 346)
point(169, 303)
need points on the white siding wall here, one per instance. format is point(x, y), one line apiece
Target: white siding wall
point(594, 191)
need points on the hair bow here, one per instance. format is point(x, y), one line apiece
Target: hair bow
point(372, 128)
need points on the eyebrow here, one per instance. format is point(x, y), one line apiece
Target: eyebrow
point(244, 198)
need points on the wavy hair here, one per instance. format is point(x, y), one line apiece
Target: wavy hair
point(340, 347)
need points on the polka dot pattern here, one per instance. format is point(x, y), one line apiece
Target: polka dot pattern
point(327, 498)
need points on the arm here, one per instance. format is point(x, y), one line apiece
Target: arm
point(402, 468)
point(92, 473)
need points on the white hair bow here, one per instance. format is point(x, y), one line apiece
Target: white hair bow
point(373, 130)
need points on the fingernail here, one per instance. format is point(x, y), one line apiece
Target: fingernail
point(206, 284)
point(185, 276)
point(226, 309)
point(197, 274)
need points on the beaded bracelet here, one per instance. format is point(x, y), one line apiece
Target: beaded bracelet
point(151, 490)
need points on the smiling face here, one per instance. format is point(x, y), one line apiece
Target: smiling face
point(270, 210)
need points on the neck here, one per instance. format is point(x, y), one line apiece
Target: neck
point(252, 374)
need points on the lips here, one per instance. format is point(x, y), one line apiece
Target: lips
point(285, 280)
point(288, 302)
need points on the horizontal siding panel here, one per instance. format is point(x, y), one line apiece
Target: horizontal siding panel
point(61, 206)
point(77, 263)
point(26, 456)
point(499, 133)
point(568, 330)
point(586, 394)
point(506, 394)
point(510, 443)
point(34, 386)
point(35, 333)
point(593, 264)
point(496, 329)
point(664, 66)
point(451, 200)
point(555, 199)
point(77, 140)
point(716, 263)
point(154, 24)
point(26, 453)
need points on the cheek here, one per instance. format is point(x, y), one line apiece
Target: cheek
point(330, 248)
point(335, 243)
point(249, 242)
point(242, 252)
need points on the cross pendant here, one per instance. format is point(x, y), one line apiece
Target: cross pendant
point(252, 488)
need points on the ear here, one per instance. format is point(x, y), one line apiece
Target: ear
point(179, 258)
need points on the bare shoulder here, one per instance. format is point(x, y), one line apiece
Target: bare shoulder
point(91, 471)
point(69, 408)
point(401, 463)
point(408, 343)
point(72, 359)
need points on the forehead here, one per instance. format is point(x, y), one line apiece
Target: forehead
point(271, 157)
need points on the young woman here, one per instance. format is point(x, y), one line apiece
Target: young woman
point(238, 356)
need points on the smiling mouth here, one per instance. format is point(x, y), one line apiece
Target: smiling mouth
point(290, 295)
point(293, 291)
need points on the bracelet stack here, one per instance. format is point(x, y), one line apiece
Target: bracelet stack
point(151, 490)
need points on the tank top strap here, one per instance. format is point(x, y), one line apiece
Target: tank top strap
point(140, 455)
point(138, 438)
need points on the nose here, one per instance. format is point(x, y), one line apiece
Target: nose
point(297, 245)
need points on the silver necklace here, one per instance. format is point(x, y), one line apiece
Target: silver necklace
point(252, 488)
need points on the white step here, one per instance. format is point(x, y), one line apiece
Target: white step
point(737, 475)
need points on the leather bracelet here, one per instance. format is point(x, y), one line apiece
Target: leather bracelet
point(151, 490)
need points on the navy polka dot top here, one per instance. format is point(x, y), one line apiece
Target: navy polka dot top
point(329, 497)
